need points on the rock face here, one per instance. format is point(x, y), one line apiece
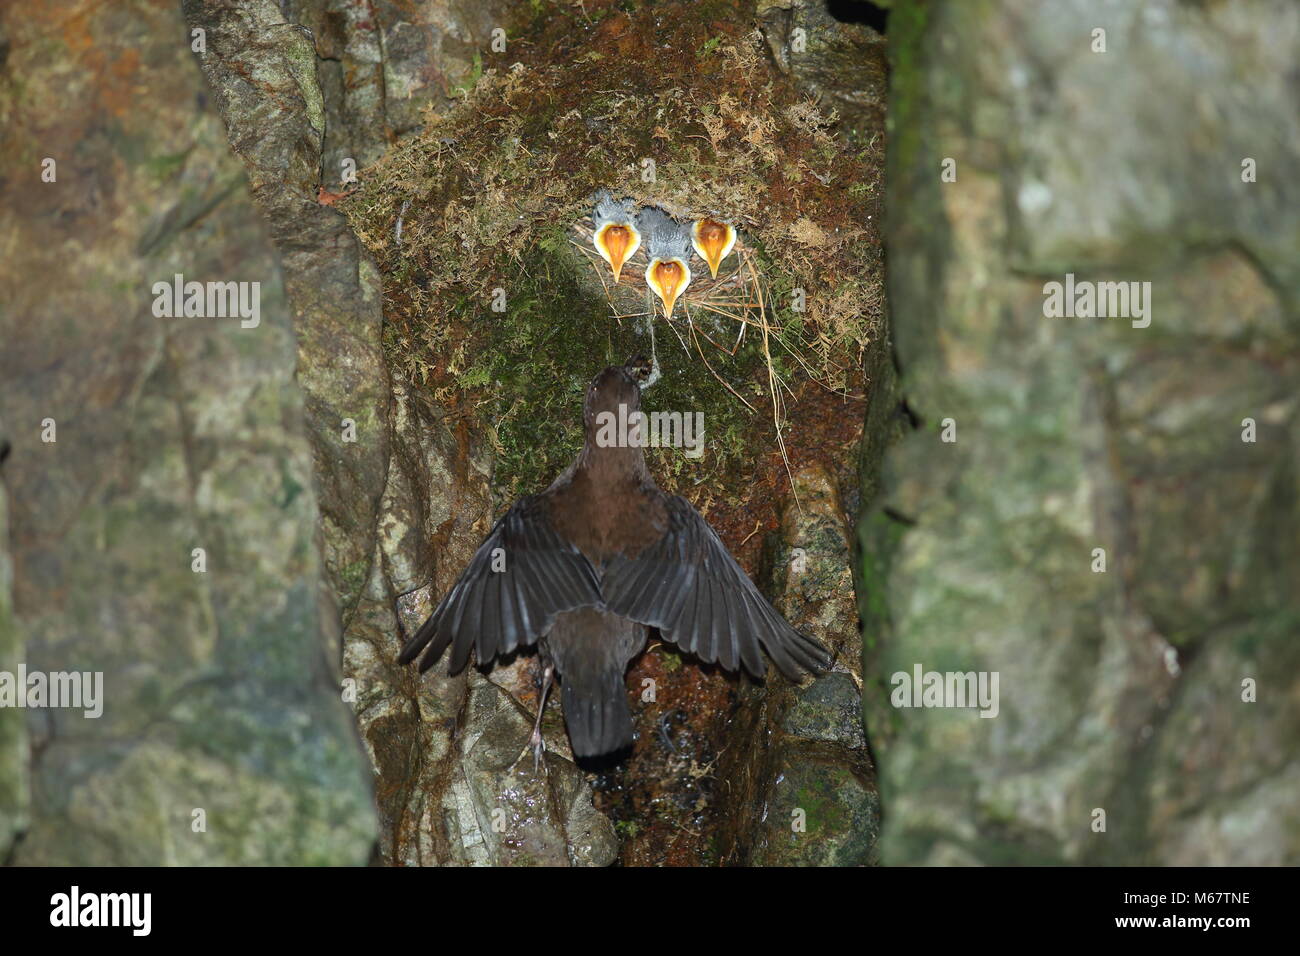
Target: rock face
point(394, 476)
point(391, 473)
point(458, 786)
point(332, 500)
point(1148, 711)
point(276, 125)
point(163, 515)
point(13, 733)
point(381, 64)
point(490, 197)
point(842, 64)
point(817, 796)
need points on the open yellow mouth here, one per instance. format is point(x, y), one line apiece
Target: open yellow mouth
point(713, 240)
point(669, 279)
point(617, 244)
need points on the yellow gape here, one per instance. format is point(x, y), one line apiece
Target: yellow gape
point(669, 279)
point(713, 240)
point(616, 244)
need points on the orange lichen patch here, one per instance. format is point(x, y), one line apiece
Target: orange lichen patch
point(117, 82)
point(617, 244)
point(327, 198)
point(77, 34)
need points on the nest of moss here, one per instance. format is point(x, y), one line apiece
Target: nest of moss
point(681, 109)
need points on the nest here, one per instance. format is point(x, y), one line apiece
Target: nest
point(496, 194)
point(736, 299)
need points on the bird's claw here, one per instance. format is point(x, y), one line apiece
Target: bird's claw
point(539, 748)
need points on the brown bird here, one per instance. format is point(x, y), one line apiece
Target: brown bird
point(587, 566)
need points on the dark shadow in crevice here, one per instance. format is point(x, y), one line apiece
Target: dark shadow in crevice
point(860, 12)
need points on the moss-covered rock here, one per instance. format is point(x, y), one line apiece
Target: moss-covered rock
point(1076, 434)
point(223, 739)
point(488, 197)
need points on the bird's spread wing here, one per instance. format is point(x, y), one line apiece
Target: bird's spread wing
point(690, 587)
point(519, 579)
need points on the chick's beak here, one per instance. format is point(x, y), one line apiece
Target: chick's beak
point(669, 279)
point(713, 241)
point(617, 244)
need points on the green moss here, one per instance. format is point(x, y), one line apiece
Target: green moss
point(671, 660)
point(532, 363)
point(709, 46)
point(301, 56)
point(474, 76)
point(490, 194)
point(907, 30)
point(820, 800)
point(353, 576)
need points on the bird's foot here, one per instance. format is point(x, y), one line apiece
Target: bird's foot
point(539, 747)
point(535, 746)
point(535, 741)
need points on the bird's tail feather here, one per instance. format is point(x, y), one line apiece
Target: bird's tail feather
point(596, 711)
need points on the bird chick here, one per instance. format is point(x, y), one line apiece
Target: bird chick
point(615, 234)
point(713, 241)
point(585, 568)
point(668, 248)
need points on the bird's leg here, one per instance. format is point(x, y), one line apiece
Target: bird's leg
point(655, 372)
point(539, 747)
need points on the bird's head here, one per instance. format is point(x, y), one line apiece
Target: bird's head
point(713, 240)
point(668, 247)
point(615, 386)
point(669, 279)
point(615, 234)
point(617, 243)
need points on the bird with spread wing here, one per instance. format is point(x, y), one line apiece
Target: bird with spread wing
point(585, 568)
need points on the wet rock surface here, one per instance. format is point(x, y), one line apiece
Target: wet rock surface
point(457, 780)
point(813, 790)
point(1125, 691)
